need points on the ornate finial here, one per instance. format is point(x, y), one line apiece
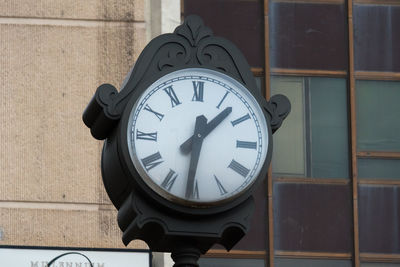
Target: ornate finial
point(193, 30)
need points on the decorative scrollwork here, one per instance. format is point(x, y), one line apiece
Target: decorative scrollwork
point(178, 54)
point(193, 30)
point(212, 54)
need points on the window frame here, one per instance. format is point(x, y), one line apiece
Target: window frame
point(351, 75)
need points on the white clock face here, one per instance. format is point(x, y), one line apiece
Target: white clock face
point(197, 137)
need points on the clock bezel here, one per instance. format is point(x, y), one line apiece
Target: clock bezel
point(168, 200)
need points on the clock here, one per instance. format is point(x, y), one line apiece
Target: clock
point(187, 140)
point(197, 138)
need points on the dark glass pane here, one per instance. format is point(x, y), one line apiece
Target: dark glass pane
point(329, 128)
point(279, 262)
point(319, 147)
point(240, 21)
point(379, 219)
point(378, 115)
point(379, 168)
point(310, 217)
point(226, 262)
point(308, 36)
point(379, 264)
point(377, 37)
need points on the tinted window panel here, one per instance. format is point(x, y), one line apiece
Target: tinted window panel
point(329, 128)
point(379, 219)
point(226, 262)
point(240, 21)
point(378, 113)
point(279, 262)
point(313, 140)
point(309, 217)
point(380, 264)
point(302, 36)
point(379, 168)
point(377, 38)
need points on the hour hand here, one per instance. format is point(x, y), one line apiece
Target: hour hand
point(186, 147)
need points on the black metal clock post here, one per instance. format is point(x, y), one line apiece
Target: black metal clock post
point(166, 222)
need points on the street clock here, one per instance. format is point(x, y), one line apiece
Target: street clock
point(187, 140)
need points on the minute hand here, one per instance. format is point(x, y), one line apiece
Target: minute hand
point(186, 147)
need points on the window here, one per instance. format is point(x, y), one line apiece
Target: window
point(279, 262)
point(344, 126)
point(332, 194)
point(227, 262)
point(377, 89)
point(314, 140)
point(378, 113)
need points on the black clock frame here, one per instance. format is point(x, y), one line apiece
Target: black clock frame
point(192, 45)
point(127, 165)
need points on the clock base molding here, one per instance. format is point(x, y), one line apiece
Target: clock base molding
point(164, 231)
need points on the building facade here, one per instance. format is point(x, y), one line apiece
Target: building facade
point(332, 194)
point(54, 54)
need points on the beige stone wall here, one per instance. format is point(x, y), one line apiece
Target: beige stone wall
point(53, 55)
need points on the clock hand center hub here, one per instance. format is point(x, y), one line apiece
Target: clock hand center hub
point(186, 147)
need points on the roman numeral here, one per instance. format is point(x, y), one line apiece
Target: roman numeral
point(222, 100)
point(196, 191)
point(171, 93)
point(194, 194)
point(146, 136)
point(159, 115)
point(198, 88)
point(152, 161)
point(169, 180)
point(246, 144)
point(239, 168)
point(241, 119)
point(222, 190)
